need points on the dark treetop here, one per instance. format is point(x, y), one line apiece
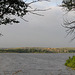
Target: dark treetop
point(11, 7)
point(70, 25)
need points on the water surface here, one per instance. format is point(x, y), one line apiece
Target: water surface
point(35, 64)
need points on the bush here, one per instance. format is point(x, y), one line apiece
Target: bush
point(71, 62)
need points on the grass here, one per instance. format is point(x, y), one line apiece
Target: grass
point(71, 62)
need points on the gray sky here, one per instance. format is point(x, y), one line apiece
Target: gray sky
point(40, 31)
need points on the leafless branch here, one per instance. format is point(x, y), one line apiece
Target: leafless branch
point(36, 13)
point(23, 19)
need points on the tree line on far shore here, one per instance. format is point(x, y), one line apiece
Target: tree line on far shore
point(37, 50)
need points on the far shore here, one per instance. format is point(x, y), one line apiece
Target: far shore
point(37, 50)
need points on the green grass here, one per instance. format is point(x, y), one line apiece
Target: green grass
point(71, 62)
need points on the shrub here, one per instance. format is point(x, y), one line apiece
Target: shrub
point(71, 62)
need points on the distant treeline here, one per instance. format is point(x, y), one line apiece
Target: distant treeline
point(25, 51)
point(37, 50)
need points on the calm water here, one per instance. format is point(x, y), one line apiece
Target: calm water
point(35, 64)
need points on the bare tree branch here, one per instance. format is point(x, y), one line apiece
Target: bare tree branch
point(69, 25)
point(16, 7)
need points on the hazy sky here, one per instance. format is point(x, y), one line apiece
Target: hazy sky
point(40, 31)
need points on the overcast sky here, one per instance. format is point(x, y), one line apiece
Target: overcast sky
point(40, 31)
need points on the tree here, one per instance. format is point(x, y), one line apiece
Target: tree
point(14, 7)
point(70, 25)
point(19, 8)
point(70, 4)
point(11, 7)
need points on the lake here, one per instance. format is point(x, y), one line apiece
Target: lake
point(35, 64)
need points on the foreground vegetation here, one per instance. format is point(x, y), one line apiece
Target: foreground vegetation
point(37, 50)
point(71, 62)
